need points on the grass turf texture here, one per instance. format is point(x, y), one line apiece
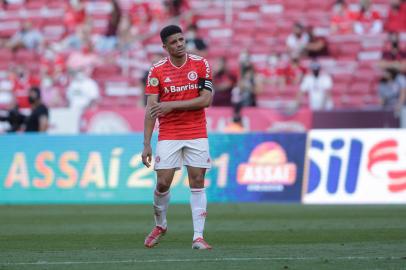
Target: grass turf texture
point(244, 236)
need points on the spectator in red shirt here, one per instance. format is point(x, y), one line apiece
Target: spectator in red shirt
point(341, 19)
point(75, 15)
point(293, 72)
point(396, 20)
point(367, 20)
point(141, 13)
point(22, 80)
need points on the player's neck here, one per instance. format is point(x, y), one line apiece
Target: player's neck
point(178, 61)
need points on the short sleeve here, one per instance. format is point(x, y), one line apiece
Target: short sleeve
point(205, 70)
point(152, 86)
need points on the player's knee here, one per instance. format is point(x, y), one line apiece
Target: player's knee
point(162, 187)
point(197, 181)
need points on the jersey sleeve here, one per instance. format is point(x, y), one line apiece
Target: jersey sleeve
point(205, 70)
point(205, 76)
point(152, 87)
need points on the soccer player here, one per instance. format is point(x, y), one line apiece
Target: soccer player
point(178, 89)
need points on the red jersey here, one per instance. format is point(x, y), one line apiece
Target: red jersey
point(173, 83)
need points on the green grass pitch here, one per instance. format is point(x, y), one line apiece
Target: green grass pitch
point(244, 236)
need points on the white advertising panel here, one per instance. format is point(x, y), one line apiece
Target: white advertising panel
point(350, 166)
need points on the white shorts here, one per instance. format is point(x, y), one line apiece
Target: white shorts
point(172, 154)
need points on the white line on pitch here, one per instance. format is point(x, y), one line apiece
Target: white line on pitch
point(203, 260)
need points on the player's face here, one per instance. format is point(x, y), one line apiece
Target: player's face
point(175, 45)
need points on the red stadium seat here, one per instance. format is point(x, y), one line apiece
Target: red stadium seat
point(25, 56)
point(359, 88)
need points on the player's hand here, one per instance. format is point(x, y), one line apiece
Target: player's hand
point(162, 108)
point(147, 155)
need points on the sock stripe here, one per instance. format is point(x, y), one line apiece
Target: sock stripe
point(157, 193)
point(197, 190)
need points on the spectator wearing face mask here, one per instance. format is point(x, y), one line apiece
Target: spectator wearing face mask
point(37, 121)
point(317, 85)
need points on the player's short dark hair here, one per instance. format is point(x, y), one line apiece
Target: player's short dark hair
point(169, 31)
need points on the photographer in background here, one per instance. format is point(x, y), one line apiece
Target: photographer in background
point(37, 121)
point(13, 116)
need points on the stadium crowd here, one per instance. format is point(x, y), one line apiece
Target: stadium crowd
point(344, 54)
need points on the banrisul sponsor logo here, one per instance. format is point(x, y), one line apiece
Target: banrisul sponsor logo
point(175, 89)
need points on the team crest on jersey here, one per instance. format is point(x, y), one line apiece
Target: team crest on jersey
point(154, 81)
point(192, 75)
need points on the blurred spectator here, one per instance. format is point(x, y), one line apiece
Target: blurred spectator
point(194, 43)
point(13, 116)
point(367, 21)
point(82, 92)
point(141, 13)
point(75, 15)
point(37, 121)
point(6, 90)
point(4, 4)
point(248, 86)
point(274, 70)
point(317, 45)
point(23, 80)
point(176, 8)
point(84, 60)
point(318, 86)
point(129, 35)
point(341, 19)
point(26, 38)
point(395, 57)
point(297, 41)
point(392, 90)
point(77, 39)
point(396, 20)
point(108, 41)
point(293, 72)
point(225, 81)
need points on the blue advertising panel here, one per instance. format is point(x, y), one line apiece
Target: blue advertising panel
point(108, 169)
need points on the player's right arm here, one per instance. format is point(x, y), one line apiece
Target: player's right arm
point(152, 92)
point(149, 123)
